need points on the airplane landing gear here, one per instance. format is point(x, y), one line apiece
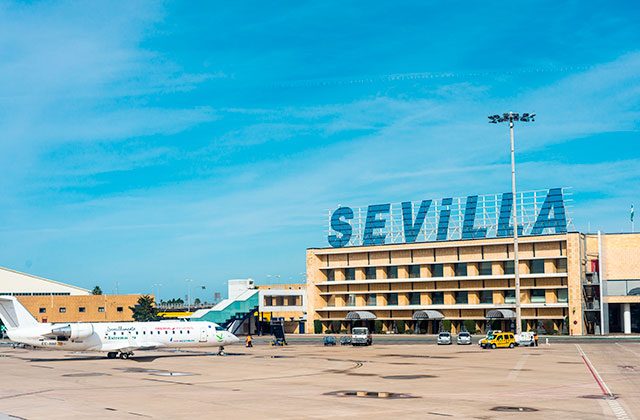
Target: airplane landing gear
point(126, 355)
point(221, 351)
point(112, 355)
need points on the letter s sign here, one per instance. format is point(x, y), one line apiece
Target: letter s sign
point(340, 225)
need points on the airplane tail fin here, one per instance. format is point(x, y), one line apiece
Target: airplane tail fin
point(14, 315)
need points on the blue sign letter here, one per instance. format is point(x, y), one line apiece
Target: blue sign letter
point(558, 222)
point(341, 226)
point(374, 223)
point(443, 219)
point(411, 228)
point(468, 231)
point(504, 219)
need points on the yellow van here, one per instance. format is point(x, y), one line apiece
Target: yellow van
point(498, 339)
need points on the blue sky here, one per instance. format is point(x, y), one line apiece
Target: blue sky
point(148, 142)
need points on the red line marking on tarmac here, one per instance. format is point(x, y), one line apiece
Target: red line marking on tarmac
point(600, 384)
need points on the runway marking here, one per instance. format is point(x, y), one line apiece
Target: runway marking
point(614, 404)
point(516, 370)
point(627, 349)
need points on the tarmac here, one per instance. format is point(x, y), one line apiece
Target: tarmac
point(583, 380)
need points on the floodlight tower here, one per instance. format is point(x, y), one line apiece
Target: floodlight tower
point(511, 117)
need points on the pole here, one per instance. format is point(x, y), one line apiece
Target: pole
point(189, 294)
point(157, 293)
point(516, 268)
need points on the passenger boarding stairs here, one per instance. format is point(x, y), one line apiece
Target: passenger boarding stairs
point(230, 313)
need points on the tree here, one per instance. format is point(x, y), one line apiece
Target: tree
point(145, 310)
point(196, 301)
point(96, 291)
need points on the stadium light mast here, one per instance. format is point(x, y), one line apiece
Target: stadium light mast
point(511, 117)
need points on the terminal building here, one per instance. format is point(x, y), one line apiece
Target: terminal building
point(448, 264)
point(52, 301)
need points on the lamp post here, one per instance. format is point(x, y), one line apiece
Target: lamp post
point(189, 281)
point(157, 286)
point(511, 117)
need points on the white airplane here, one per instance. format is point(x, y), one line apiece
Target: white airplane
point(114, 338)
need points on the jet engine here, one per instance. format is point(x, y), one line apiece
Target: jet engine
point(73, 331)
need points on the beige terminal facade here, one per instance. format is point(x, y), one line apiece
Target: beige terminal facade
point(562, 289)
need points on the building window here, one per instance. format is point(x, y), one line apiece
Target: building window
point(414, 271)
point(508, 267)
point(82, 309)
point(561, 265)
point(62, 310)
point(100, 308)
point(536, 266)
point(120, 309)
point(351, 300)
point(485, 268)
point(460, 269)
point(350, 273)
point(42, 310)
point(392, 299)
point(414, 298)
point(563, 295)
point(331, 275)
point(509, 296)
point(437, 270)
point(486, 296)
point(462, 297)
point(537, 296)
point(372, 299)
point(437, 298)
point(392, 272)
point(370, 273)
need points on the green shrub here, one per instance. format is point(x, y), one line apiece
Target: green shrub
point(401, 326)
point(470, 326)
point(377, 326)
point(317, 326)
point(446, 325)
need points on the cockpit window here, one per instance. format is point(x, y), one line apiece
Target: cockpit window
point(219, 328)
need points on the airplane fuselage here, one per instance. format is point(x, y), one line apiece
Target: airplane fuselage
point(119, 336)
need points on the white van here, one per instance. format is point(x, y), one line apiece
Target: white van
point(527, 338)
point(360, 336)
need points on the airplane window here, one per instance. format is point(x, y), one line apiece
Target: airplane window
point(122, 333)
point(144, 332)
point(180, 331)
point(174, 331)
point(166, 332)
point(188, 332)
point(114, 333)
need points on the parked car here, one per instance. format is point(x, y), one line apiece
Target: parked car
point(360, 336)
point(464, 338)
point(444, 338)
point(345, 340)
point(499, 340)
point(527, 338)
point(329, 340)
